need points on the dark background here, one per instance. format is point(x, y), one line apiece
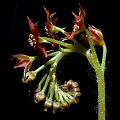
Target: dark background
point(15, 101)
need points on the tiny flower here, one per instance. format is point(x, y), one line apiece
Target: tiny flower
point(50, 24)
point(29, 76)
point(34, 40)
point(33, 28)
point(39, 97)
point(24, 61)
point(50, 27)
point(79, 25)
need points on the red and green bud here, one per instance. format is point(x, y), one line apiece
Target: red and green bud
point(96, 35)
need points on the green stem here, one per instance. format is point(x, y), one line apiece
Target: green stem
point(57, 92)
point(51, 90)
point(46, 83)
point(53, 53)
point(50, 53)
point(104, 58)
point(53, 73)
point(47, 63)
point(100, 77)
point(58, 42)
point(74, 40)
point(74, 48)
point(101, 94)
point(95, 58)
point(42, 80)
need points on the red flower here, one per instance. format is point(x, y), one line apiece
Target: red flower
point(34, 30)
point(79, 25)
point(79, 20)
point(50, 27)
point(23, 61)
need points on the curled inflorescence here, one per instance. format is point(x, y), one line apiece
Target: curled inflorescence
point(48, 91)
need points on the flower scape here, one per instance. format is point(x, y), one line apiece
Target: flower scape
point(48, 90)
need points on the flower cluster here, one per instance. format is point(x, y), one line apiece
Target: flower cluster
point(56, 96)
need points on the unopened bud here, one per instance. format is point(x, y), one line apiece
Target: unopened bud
point(56, 106)
point(76, 89)
point(90, 58)
point(29, 77)
point(48, 104)
point(70, 101)
point(70, 86)
point(76, 94)
point(38, 97)
point(65, 104)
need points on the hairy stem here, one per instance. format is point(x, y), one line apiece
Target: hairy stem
point(100, 77)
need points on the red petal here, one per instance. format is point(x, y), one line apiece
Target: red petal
point(93, 33)
point(76, 17)
point(31, 24)
point(42, 48)
point(54, 46)
point(21, 57)
point(21, 63)
point(33, 28)
point(47, 12)
point(85, 39)
point(70, 37)
point(82, 11)
point(54, 21)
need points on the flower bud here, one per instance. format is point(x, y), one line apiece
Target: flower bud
point(70, 101)
point(97, 35)
point(77, 89)
point(70, 86)
point(39, 96)
point(56, 106)
point(77, 94)
point(90, 58)
point(29, 77)
point(65, 104)
point(48, 104)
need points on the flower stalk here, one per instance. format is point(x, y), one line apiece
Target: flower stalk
point(99, 70)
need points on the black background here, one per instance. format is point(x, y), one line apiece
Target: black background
point(16, 102)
